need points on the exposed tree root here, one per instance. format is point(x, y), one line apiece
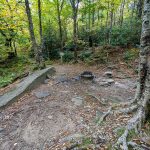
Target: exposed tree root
point(104, 116)
point(139, 147)
point(128, 109)
point(103, 103)
point(134, 123)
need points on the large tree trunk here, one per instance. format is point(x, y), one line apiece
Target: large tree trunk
point(139, 8)
point(122, 12)
point(144, 66)
point(59, 10)
point(142, 96)
point(111, 23)
point(35, 47)
point(74, 4)
point(40, 20)
point(93, 15)
point(75, 35)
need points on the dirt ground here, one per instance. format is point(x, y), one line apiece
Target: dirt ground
point(67, 115)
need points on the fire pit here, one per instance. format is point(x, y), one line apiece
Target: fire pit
point(88, 75)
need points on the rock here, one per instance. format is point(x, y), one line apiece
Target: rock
point(46, 81)
point(50, 117)
point(62, 78)
point(29, 83)
point(77, 101)
point(87, 75)
point(120, 85)
point(42, 94)
point(1, 130)
point(104, 82)
point(108, 81)
point(71, 137)
point(108, 74)
point(38, 100)
point(146, 140)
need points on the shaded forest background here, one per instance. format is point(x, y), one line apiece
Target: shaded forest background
point(84, 30)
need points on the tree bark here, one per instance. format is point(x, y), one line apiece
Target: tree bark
point(40, 21)
point(74, 4)
point(144, 66)
point(111, 22)
point(139, 8)
point(122, 12)
point(59, 10)
point(93, 15)
point(35, 47)
point(142, 96)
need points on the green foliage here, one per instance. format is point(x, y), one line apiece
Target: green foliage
point(131, 135)
point(54, 54)
point(86, 141)
point(7, 79)
point(51, 43)
point(131, 54)
point(120, 131)
point(13, 69)
point(84, 55)
point(127, 35)
point(68, 56)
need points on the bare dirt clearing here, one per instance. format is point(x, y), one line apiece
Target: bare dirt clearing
point(62, 112)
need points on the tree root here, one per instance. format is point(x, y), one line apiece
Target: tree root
point(128, 109)
point(103, 103)
point(134, 123)
point(139, 147)
point(104, 116)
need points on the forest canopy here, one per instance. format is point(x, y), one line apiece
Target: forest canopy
point(104, 22)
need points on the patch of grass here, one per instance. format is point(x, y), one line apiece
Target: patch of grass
point(85, 142)
point(131, 135)
point(120, 131)
point(131, 54)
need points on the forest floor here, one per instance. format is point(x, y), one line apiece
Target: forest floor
point(64, 111)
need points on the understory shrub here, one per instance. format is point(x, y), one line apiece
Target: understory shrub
point(68, 56)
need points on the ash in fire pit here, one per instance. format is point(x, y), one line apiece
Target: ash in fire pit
point(87, 75)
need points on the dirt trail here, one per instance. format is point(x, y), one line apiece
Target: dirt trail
point(60, 112)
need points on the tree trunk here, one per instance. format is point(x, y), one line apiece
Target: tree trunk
point(37, 50)
point(59, 9)
point(122, 12)
point(111, 23)
point(107, 25)
point(89, 16)
point(142, 96)
point(144, 66)
point(93, 15)
point(74, 4)
point(40, 21)
point(139, 8)
point(75, 35)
